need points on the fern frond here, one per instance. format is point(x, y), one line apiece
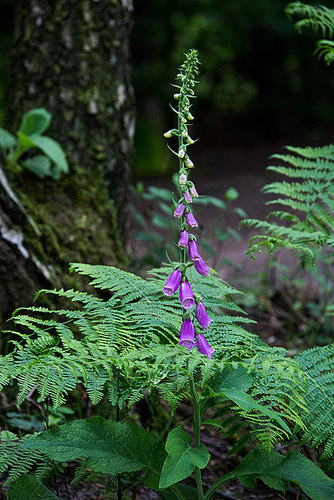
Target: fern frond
point(316, 17)
point(312, 197)
point(318, 416)
point(18, 460)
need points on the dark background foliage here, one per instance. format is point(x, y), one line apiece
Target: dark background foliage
point(259, 81)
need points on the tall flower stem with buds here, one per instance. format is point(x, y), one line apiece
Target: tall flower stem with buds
point(193, 306)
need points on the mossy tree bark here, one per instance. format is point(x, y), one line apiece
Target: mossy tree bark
point(72, 58)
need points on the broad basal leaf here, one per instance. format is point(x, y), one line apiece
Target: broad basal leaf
point(27, 487)
point(109, 447)
point(182, 458)
point(277, 471)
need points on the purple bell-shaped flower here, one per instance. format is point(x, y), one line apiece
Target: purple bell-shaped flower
point(202, 316)
point(173, 283)
point(203, 346)
point(187, 334)
point(201, 267)
point(193, 250)
point(186, 295)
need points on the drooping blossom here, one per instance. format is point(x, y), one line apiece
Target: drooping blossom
point(186, 295)
point(191, 221)
point(203, 346)
point(202, 316)
point(173, 283)
point(187, 334)
point(179, 211)
point(184, 239)
point(187, 197)
point(201, 267)
point(193, 250)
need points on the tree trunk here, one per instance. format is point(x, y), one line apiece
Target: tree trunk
point(72, 58)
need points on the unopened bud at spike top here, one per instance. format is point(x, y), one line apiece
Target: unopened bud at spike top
point(203, 346)
point(187, 334)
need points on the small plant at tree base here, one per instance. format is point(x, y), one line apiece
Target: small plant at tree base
point(143, 339)
point(52, 161)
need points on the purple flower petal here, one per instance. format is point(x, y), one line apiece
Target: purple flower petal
point(202, 316)
point(179, 211)
point(184, 239)
point(187, 334)
point(193, 192)
point(186, 295)
point(193, 250)
point(173, 283)
point(201, 267)
point(187, 197)
point(191, 221)
point(203, 346)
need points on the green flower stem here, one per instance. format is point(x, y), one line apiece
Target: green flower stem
point(197, 432)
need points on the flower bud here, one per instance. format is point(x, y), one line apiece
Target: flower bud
point(187, 197)
point(184, 239)
point(193, 191)
point(181, 153)
point(191, 221)
point(193, 250)
point(183, 179)
point(188, 163)
point(179, 211)
point(170, 133)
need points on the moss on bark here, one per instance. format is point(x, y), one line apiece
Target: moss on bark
point(71, 57)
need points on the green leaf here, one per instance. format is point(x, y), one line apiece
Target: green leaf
point(27, 487)
point(53, 150)
point(25, 142)
point(35, 122)
point(182, 458)
point(224, 379)
point(178, 491)
point(39, 165)
point(109, 447)
point(247, 403)
point(277, 471)
point(7, 140)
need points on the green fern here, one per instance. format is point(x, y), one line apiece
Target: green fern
point(320, 19)
point(309, 196)
point(135, 332)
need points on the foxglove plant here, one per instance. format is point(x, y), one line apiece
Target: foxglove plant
point(187, 74)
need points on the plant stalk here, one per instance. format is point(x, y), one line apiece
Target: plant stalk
point(197, 432)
